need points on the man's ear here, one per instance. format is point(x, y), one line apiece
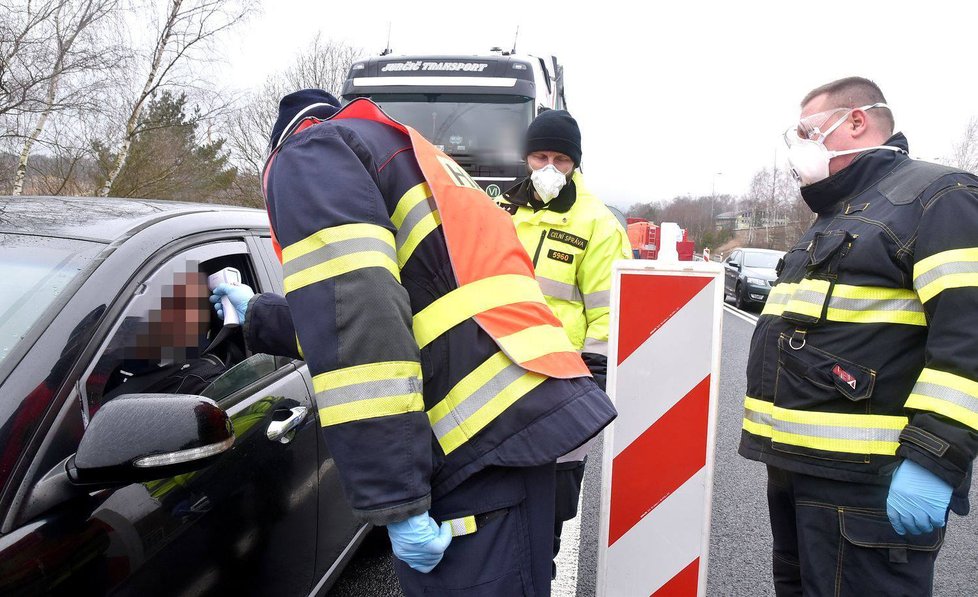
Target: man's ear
point(858, 124)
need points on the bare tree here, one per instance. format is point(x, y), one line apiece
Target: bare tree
point(965, 152)
point(23, 47)
point(185, 33)
point(776, 212)
point(76, 49)
point(323, 64)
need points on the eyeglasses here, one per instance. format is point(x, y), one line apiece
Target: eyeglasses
point(810, 127)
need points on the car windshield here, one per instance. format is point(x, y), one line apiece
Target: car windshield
point(761, 260)
point(34, 271)
point(490, 126)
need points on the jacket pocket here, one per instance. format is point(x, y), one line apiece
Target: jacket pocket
point(807, 304)
point(872, 529)
point(813, 389)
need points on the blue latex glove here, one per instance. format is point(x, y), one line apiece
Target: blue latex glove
point(239, 295)
point(418, 542)
point(918, 499)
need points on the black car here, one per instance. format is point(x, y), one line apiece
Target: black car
point(749, 275)
point(144, 451)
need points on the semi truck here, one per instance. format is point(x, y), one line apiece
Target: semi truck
point(474, 108)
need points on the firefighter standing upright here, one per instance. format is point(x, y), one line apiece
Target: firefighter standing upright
point(572, 239)
point(446, 387)
point(862, 381)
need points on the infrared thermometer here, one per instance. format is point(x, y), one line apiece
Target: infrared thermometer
point(231, 276)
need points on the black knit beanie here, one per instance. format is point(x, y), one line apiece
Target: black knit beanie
point(555, 130)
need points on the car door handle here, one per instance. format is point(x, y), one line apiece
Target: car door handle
point(278, 430)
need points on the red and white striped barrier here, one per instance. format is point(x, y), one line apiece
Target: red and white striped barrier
point(664, 359)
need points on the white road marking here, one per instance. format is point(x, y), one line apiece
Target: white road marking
point(751, 319)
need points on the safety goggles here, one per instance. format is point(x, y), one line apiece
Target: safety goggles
point(811, 127)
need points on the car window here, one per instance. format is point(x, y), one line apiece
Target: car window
point(169, 338)
point(244, 374)
point(34, 272)
point(761, 260)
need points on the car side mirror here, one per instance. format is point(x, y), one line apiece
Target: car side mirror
point(141, 437)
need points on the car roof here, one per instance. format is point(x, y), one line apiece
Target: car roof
point(752, 250)
point(95, 218)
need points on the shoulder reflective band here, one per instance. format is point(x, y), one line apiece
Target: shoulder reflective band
point(338, 250)
point(858, 304)
point(368, 391)
point(957, 268)
point(478, 399)
point(808, 299)
point(414, 217)
point(535, 342)
point(470, 300)
point(831, 432)
point(947, 394)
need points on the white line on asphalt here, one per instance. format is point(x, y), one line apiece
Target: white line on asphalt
point(751, 319)
point(570, 545)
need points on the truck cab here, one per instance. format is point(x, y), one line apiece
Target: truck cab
point(474, 108)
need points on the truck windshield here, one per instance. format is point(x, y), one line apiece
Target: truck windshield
point(488, 126)
point(34, 271)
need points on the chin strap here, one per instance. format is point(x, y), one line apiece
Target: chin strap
point(835, 154)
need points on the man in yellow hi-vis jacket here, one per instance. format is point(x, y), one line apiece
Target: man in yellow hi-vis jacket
point(572, 239)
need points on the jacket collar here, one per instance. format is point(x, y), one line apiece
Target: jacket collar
point(522, 194)
point(865, 171)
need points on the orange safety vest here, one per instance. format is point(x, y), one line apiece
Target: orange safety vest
point(471, 222)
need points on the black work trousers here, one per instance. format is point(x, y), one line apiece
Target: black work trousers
point(833, 538)
point(569, 477)
point(507, 555)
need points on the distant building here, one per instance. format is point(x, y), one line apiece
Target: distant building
point(741, 220)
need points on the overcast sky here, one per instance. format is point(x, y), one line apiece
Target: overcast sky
point(671, 94)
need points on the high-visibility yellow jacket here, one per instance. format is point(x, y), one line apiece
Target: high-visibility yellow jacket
point(572, 240)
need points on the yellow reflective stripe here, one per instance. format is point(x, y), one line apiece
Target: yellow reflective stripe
point(808, 298)
point(415, 195)
point(415, 219)
point(304, 256)
point(299, 347)
point(851, 446)
point(335, 234)
point(874, 304)
point(488, 413)
point(779, 297)
point(957, 268)
point(471, 299)
point(357, 374)
point(372, 408)
point(833, 432)
point(462, 526)
point(368, 391)
point(340, 266)
point(947, 394)
point(534, 342)
point(471, 383)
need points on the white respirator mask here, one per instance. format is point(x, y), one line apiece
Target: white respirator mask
point(548, 181)
point(807, 155)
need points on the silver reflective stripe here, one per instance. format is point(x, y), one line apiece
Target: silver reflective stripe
point(597, 300)
point(955, 267)
point(942, 392)
point(367, 390)
point(758, 417)
point(413, 217)
point(813, 297)
point(838, 432)
point(337, 249)
point(849, 304)
point(477, 399)
point(559, 290)
point(460, 528)
point(596, 346)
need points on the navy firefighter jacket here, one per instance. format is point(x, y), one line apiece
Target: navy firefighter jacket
point(363, 253)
